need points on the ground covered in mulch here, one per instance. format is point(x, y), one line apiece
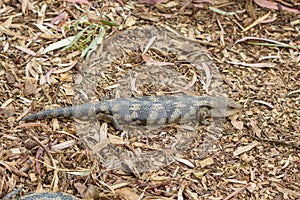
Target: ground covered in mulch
point(255, 45)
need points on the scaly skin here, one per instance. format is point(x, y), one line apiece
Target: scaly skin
point(147, 110)
point(49, 196)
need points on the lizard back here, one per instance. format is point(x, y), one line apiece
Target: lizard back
point(146, 110)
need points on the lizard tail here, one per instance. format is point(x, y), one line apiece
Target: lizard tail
point(52, 113)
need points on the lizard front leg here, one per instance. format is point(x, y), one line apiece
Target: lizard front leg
point(111, 119)
point(202, 114)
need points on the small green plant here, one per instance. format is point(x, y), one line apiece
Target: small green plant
point(89, 36)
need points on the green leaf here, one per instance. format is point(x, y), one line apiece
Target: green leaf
point(77, 37)
point(58, 45)
point(94, 44)
point(104, 22)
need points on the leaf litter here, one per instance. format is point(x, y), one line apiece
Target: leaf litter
point(267, 171)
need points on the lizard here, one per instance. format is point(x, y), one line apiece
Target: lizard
point(49, 196)
point(146, 110)
point(42, 195)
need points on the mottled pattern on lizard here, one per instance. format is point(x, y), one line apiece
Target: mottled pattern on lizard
point(49, 196)
point(147, 110)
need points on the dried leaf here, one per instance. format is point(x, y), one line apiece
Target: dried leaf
point(116, 140)
point(8, 22)
point(10, 78)
point(221, 12)
point(80, 1)
point(25, 6)
point(206, 162)
point(26, 50)
point(31, 125)
point(185, 161)
point(47, 76)
point(29, 88)
point(152, 1)
point(264, 103)
point(130, 21)
point(44, 29)
point(6, 103)
point(63, 70)
point(237, 124)
point(68, 89)
point(42, 14)
point(59, 17)
point(86, 172)
point(13, 169)
point(127, 194)
point(11, 33)
point(180, 191)
point(119, 185)
point(274, 6)
point(63, 145)
point(38, 164)
point(256, 130)
point(208, 76)
point(244, 149)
